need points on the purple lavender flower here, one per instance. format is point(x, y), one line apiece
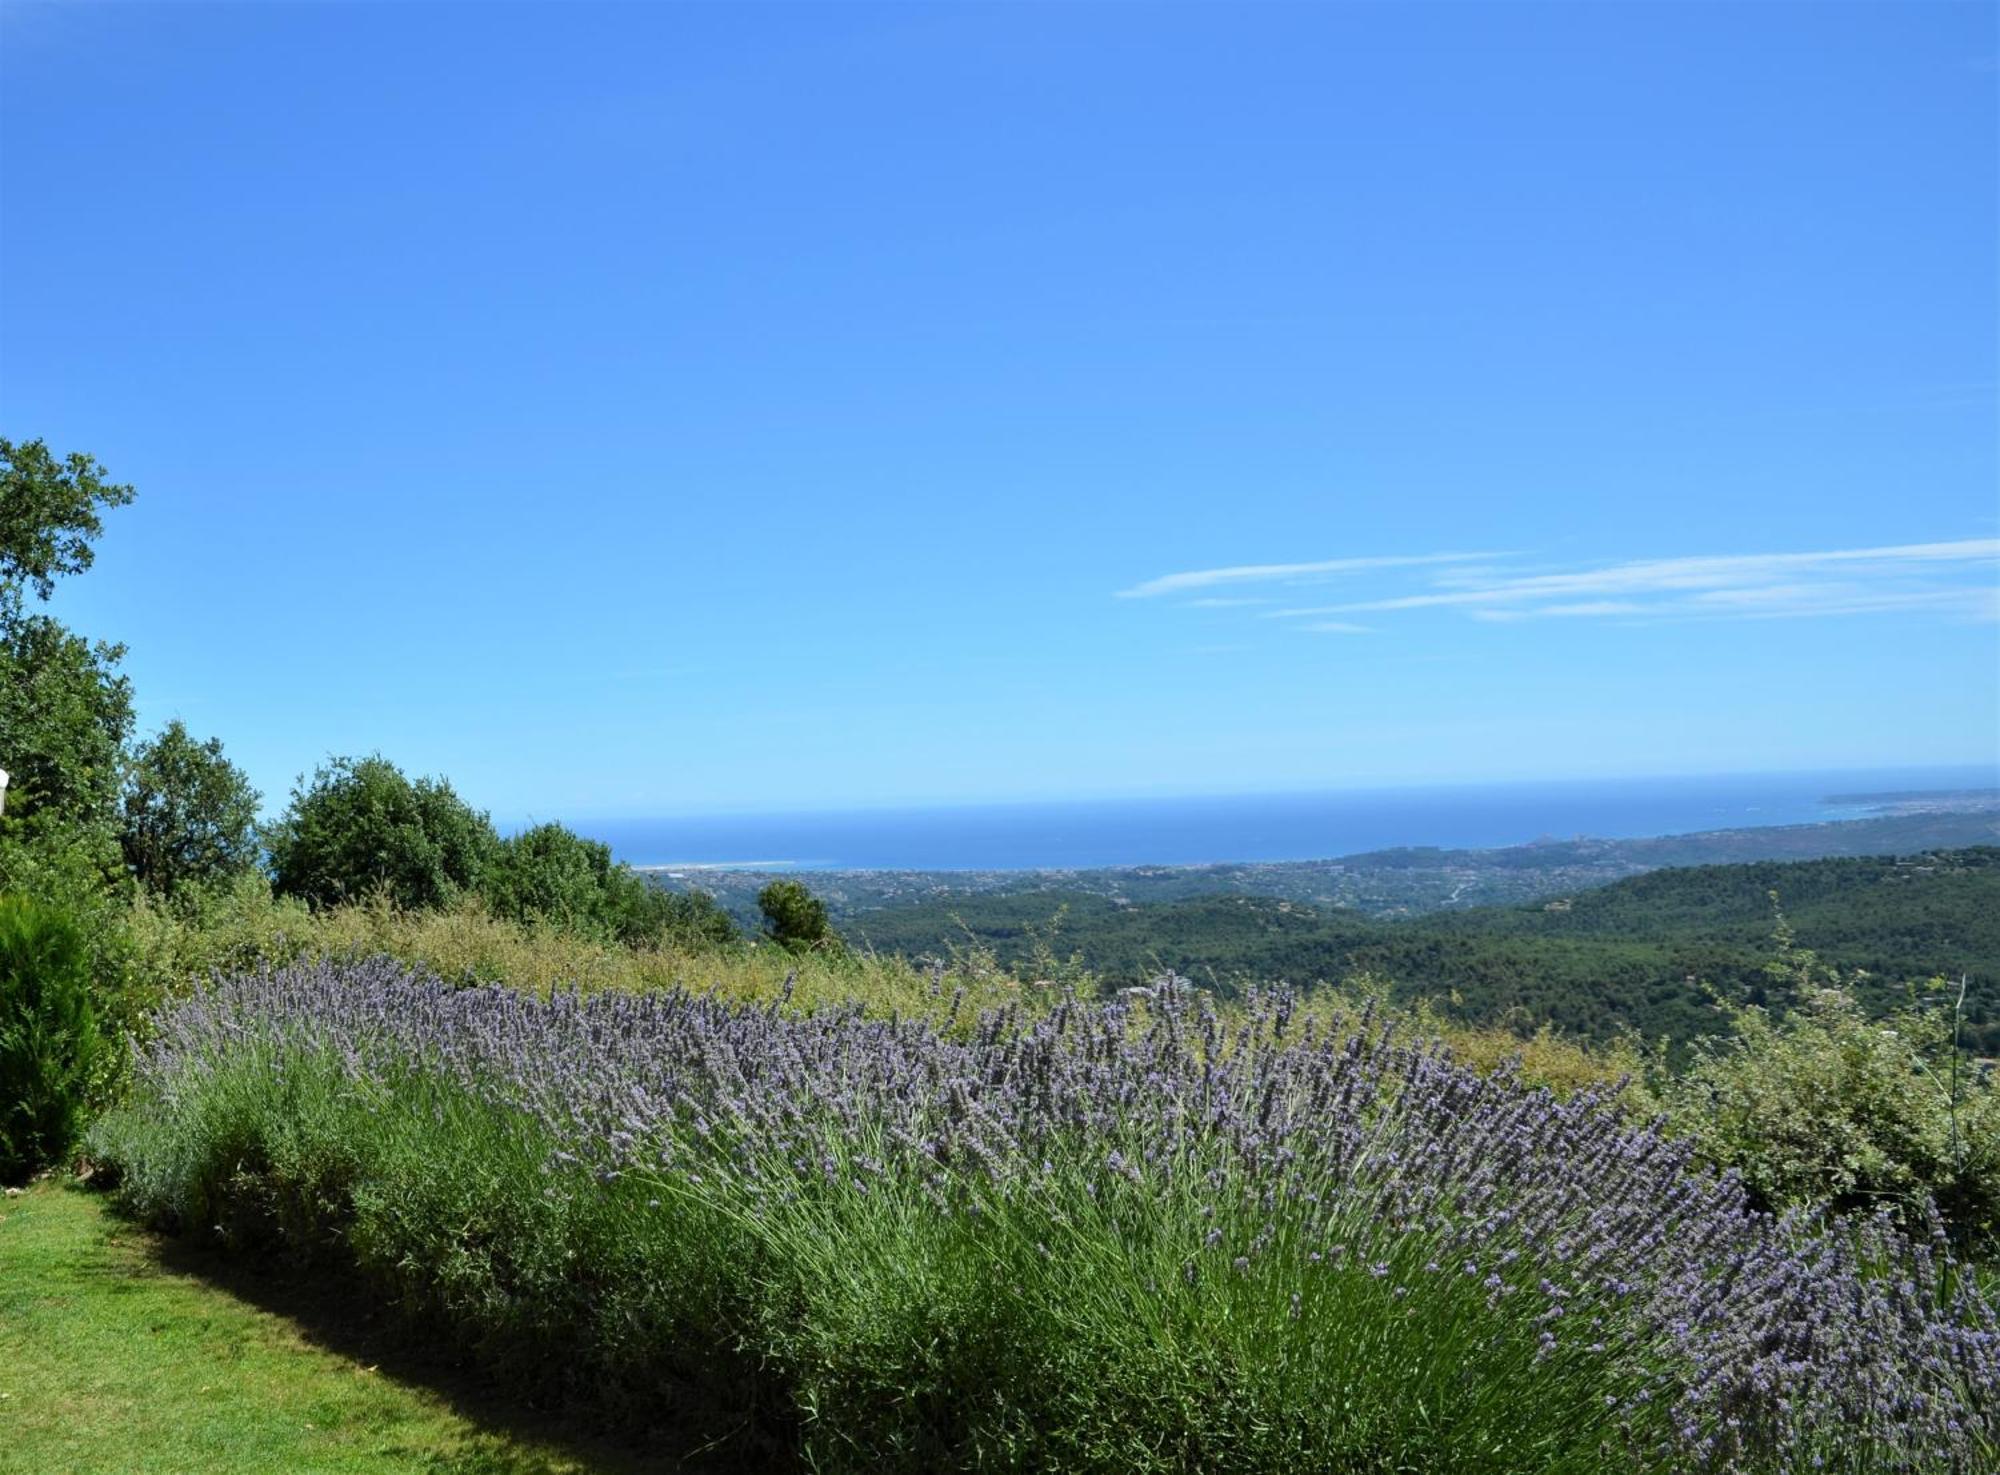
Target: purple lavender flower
point(1754, 1334)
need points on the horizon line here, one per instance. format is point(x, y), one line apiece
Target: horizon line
point(1988, 767)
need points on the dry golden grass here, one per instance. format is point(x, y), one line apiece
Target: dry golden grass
point(248, 926)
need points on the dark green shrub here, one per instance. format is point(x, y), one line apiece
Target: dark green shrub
point(50, 1048)
point(362, 827)
point(551, 874)
point(796, 919)
point(644, 915)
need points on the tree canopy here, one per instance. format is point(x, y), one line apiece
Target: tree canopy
point(795, 918)
point(65, 711)
point(362, 827)
point(48, 515)
point(189, 814)
point(551, 874)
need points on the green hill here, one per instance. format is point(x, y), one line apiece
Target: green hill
point(1639, 953)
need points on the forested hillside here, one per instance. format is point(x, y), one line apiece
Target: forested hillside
point(1393, 883)
point(1640, 953)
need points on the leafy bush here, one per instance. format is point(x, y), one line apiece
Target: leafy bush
point(50, 1049)
point(1100, 1238)
point(1827, 1105)
point(550, 874)
point(362, 827)
point(641, 914)
point(795, 919)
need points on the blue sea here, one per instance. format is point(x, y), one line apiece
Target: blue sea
point(1261, 827)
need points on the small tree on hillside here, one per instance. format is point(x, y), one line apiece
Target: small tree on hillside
point(795, 918)
point(362, 827)
point(551, 874)
point(65, 711)
point(190, 815)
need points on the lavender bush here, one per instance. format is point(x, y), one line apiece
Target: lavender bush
point(1123, 1236)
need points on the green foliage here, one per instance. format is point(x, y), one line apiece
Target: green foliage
point(1642, 954)
point(65, 713)
point(795, 919)
point(550, 874)
point(190, 815)
point(69, 871)
point(50, 1049)
point(361, 827)
point(48, 515)
point(643, 915)
point(1828, 1105)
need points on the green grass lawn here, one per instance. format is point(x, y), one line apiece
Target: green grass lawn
point(120, 1351)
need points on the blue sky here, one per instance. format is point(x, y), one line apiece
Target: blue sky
point(652, 409)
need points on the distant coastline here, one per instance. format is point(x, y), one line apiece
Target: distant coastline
point(1272, 829)
point(1923, 799)
point(1399, 881)
point(669, 867)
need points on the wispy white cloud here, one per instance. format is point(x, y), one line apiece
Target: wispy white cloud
point(1783, 601)
point(1214, 602)
point(1588, 609)
point(1289, 573)
point(1952, 580)
point(1680, 579)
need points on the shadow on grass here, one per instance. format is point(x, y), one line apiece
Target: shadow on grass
point(519, 1436)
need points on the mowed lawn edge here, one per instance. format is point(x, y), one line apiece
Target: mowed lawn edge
point(117, 1356)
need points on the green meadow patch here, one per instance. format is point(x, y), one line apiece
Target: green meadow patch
point(122, 1352)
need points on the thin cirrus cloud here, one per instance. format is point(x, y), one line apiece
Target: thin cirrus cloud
point(1285, 573)
point(1958, 579)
